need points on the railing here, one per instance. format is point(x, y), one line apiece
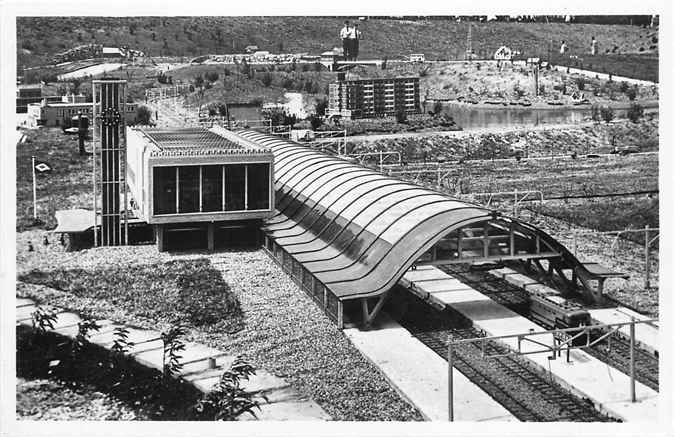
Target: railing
point(520, 196)
point(648, 241)
point(562, 339)
point(383, 156)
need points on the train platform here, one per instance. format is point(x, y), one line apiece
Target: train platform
point(420, 375)
point(646, 335)
point(202, 365)
point(584, 375)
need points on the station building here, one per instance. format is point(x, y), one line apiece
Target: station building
point(56, 114)
point(367, 98)
point(212, 183)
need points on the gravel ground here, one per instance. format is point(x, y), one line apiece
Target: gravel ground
point(42, 399)
point(283, 331)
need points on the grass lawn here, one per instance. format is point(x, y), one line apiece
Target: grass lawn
point(606, 214)
point(637, 66)
point(40, 37)
point(185, 292)
point(68, 186)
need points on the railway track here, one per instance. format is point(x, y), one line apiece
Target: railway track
point(512, 381)
point(614, 352)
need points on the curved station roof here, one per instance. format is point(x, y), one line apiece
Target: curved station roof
point(358, 231)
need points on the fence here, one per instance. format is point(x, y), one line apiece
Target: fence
point(520, 196)
point(383, 156)
point(648, 241)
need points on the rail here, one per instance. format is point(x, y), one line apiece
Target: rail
point(563, 339)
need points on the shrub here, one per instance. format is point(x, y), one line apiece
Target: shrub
point(596, 113)
point(624, 87)
point(172, 346)
point(227, 400)
point(212, 76)
point(288, 83)
point(315, 121)
point(267, 79)
point(607, 113)
point(401, 116)
point(580, 83)
point(437, 108)
point(320, 106)
point(635, 112)
point(632, 93)
point(143, 115)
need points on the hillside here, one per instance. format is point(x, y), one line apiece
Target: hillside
point(39, 38)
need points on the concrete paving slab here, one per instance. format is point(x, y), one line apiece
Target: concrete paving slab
point(285, 403)
point(301, 411)
point(605, 386)
point(420, 375)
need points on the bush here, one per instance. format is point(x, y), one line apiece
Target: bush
point(321, 106)
point(437, 108)
point(212, 76)
point(580, 83)
point(624, 87)
point(228, 400)
point(288, 83)
point(267, 79)
point(143, 115)
point(632, 93)
point(315, 121)
point(607, 113)
point(596, 113)
point(635, 112)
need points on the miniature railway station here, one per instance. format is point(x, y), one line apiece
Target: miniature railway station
point(361, 245)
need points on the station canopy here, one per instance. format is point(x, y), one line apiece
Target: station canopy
point(358, 231)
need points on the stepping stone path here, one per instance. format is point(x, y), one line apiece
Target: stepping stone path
point(202, 365)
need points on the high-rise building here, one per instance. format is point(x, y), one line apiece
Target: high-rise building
point(366, 98)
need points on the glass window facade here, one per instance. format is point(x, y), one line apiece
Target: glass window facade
point(188, 189)
point(258, 186)
point(164, 190)
point(195, 188)
point(211, 188)
point(235, 187)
